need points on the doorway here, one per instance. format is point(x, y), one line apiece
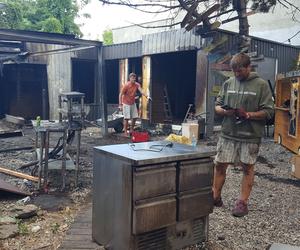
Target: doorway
point(21, 91)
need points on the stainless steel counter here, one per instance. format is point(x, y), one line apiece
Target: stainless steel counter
point(143, 156)
point(151, 200)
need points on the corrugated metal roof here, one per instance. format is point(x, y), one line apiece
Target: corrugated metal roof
point(122, 50)
point(170, 41)
point(181, 40)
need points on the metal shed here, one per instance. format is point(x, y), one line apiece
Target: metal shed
point(60, 57)
point(167, 55)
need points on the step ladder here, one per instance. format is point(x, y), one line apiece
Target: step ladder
point(167, 106)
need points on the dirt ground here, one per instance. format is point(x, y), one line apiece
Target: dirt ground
point(274, 205)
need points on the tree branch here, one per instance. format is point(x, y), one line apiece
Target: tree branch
point(156, 26)
point(137, 5)
point(289, 39)
point(292, 5)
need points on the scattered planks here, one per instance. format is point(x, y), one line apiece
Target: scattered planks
point(8, 134)
point(15, 119)
point(16, 149)
point(18, 174)
point(8, 188)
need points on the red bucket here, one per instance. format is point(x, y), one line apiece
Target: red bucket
point(139, 136)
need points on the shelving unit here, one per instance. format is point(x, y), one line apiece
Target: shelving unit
point(287, 112)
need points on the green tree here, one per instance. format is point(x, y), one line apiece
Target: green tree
point(52, 24)
point(11, 15)
point(42, 15)
point(107, 37)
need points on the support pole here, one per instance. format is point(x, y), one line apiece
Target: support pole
point(101, 88)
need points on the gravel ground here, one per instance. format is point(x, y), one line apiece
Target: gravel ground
point(274, 204)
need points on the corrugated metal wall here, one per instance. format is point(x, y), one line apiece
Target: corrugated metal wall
point(286, 54)
point(181, 40)
point(170, 41)
point(163, 42)
point(123, 50)
point(59, 69)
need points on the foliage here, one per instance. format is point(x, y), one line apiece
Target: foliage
point(11, 15)
point(107, 37)
point(22, 227)
point(54, 227)
point(42, 15)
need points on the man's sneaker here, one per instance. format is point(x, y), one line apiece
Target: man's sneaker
point(218, 202)
point(240, 209)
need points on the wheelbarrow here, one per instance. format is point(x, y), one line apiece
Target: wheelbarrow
point(115, 121)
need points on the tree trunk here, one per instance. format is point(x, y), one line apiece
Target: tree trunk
point(244, 40)
point(241, 8)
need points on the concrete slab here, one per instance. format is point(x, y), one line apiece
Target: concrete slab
point(279, 246)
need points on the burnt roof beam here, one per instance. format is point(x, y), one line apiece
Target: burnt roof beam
point(59, 51)
point(43, 37)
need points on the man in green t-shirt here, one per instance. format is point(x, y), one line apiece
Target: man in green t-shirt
point(245, 101)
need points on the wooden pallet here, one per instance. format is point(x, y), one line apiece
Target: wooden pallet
point(79, 235)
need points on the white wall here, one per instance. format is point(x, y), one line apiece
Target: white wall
point(277, 25)
point(134, 33)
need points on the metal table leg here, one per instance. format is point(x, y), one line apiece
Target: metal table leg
point(46, 159)
point(77, 156)
point(42, 142)
point(63, 169)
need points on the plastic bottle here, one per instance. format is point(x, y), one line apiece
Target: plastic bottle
point(38, 121)
point(194, 140)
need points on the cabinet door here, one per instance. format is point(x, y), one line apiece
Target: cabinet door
point(194, 205)
point(153, 214)
point(195, 174)
point(154, 180)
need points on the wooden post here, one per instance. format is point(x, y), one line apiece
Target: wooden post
point(202, 103)
point(147, 71)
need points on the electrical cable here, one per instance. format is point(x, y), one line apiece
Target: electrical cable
point(152, 148)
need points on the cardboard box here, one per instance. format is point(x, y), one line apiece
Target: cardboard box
point(296, 166)
point(189, 130)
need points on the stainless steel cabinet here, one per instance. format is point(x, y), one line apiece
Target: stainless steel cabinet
point(151, 200)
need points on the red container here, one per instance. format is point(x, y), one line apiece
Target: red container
point(139, 136)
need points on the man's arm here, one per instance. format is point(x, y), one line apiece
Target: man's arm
point(142, 92)
point(220, 102)
point(258, 115)
point(223, 112)
point(266, 105)
point(121, 97)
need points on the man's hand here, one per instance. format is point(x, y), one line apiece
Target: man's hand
point(242, 114)
point(149, 98)
point(229, 112)
point(120, 107)
point(224, 112)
